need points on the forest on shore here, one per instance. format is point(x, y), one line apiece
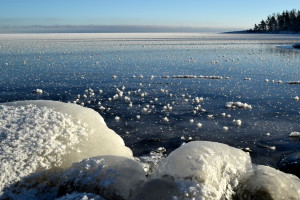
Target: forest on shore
point(285, 22)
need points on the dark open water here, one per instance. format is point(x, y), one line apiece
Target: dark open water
point(157, 102)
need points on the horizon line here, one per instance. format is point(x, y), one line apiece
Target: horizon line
point(110, 29)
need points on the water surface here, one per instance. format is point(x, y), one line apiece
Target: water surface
point(158, 78)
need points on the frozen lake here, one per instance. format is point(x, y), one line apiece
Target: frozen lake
point(158, 90)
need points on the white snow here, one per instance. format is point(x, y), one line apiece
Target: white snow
point(38, 135)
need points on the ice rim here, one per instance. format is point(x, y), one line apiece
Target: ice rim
point(61, 150)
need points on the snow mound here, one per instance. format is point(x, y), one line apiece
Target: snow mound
point(39, 135)
point(268, 183)
point(107, 176)
point(204, 169)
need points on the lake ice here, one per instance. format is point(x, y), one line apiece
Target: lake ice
point(157, 92)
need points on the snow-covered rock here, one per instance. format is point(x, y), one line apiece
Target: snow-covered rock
point(107, 176)
point(268, 183)
point(41, 140)
point(204, 169)
point(39, 135)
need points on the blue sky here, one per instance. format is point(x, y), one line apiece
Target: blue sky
point(198, 13)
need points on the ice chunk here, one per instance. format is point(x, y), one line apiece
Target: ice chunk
point(237, 122)
point(39, 91)
point(238, 104)
point(295, 134)
point(111, 177)
point(205, 169)
point(268, 183)
point(38, 135)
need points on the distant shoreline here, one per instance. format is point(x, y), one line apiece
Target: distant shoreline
point(261, 32)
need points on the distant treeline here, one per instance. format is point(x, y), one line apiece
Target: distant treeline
point(286, 22)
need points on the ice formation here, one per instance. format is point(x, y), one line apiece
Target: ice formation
point(37, 135)
point(295, 134)
point(237, 122)
point(39, 91)
point(205, 169)
point(238, 104)
point(268, 183)
point(107, 176)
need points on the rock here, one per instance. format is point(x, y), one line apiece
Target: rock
point(161, 188)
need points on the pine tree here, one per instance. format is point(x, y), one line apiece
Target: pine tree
point(285, 21)
point(262, 26)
